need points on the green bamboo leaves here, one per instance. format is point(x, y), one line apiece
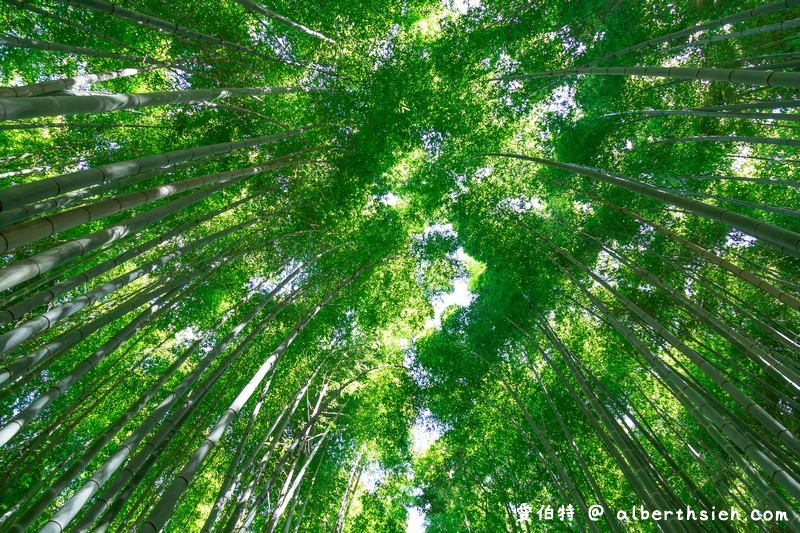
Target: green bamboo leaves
point(269, 285)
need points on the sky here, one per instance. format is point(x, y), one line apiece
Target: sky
point(416, 521)
point(460, 297)
point(425, 431)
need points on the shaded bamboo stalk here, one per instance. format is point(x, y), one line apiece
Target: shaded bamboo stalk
point(170, 27)
point(258, 8)
point(36, 89)
point(789, 117)
point(19, 42)
point(117, 459)
point(48, 106)
point(25, 233)
point(718, 23)
point(779, 26)
point(169, 498)
point(32, 328)
point(780, 432)
point(23, 196)
point(93, 125)
point(18, 310)
point(784, 239)
point(68, 474)
point(775, 141)
point(85, 30)
point(767, 78)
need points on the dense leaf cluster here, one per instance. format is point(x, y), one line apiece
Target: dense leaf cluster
point(233, 233)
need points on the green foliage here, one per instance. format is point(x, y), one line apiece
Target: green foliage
point(617, 349)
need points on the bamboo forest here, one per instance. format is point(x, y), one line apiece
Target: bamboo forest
point(356, 266)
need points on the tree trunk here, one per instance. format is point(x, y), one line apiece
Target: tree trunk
point(258, 8)
point(37, 89)
point(20, 309)
point(785, 211)
point(70, 473)
point(34, 327)
point(768, 78)
point(169, 27)
point(166, 299)
point(781, 238)
point(705, 414)
point(85, 30)
point(789, 117)
point(701, 409)
point(20, 195)
point(18, 42)
point(775, 141)
point(718, 23)
point(758, 413)
point(780, 26)
point(31, 267)
point(48, 106)
point(352, 481)
point(160, 514)
point(235, 470)
point(289, 496)
point(116, 460)
point(25, 233)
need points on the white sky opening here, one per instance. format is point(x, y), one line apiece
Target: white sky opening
point(416, 520)
point(738, 239)
point(372, 476)
point(460, 295)
point(461, 6)
point(389, 199)
point(426, 429)
point(424, 433)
